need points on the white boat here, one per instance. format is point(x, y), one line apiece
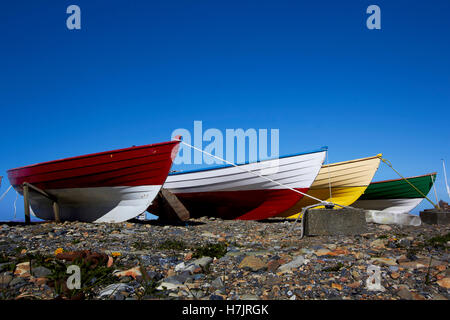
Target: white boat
point(231, 192)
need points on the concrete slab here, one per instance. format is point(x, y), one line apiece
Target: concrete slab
point(335, 222)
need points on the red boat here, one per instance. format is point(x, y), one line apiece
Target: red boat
point(111, 186)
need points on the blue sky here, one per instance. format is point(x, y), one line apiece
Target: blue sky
point(138, 70)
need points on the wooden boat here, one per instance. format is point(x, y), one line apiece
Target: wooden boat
point(348, 180)
point(396, 195)
point(111, 186)
point(229, 192)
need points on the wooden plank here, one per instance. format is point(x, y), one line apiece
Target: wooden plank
point(171, 207)
point(26, 203)
point(56, 211)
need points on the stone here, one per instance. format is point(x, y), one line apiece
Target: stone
point(133, 272)
point(273, 265)
point(252, 263)
point(378, 244)
point(217, 283)
point(405, 294)
point(115, 288)
point(41, 272)
point(203, 262)
point(335, 222)
point(445, 283)
point(384, 261)
point(295, 263)
point(22, 270)
point(5, 279)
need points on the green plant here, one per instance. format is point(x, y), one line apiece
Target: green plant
point(217, 250)
point(172, 245)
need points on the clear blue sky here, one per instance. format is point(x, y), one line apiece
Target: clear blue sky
point(137, 70)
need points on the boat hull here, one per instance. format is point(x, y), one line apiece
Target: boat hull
point(111, 186)
point(396, 195)
point(348, 180)
point(102, 204)
point(389, 205)
point(232, 193)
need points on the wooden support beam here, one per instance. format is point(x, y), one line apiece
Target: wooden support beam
point(26, 203)
point(56, 211)
point(26, 194)
point(170, 207)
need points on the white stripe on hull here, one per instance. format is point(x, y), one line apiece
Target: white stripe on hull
point(295, 172)
point(389, 205)
point(101, 204)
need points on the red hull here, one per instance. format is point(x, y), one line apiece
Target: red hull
point(135, 166)
point(242, 205)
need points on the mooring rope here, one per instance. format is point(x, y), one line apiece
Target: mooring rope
point(420, 192)
point(445, 177)
point(258, 175)
point(329, 178)
point(4, 194)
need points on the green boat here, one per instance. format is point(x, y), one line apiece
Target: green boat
point(396, 195)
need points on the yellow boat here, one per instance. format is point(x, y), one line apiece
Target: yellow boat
point(348, 181)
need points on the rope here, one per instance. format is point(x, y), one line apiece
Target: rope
point(258, 175)
point(4, 194)
point(390, 165)
point(15, 208)
point(445, 176)
point(329, 178)
point(434, 188)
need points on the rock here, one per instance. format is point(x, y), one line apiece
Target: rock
point(217, 283)
point(41, 272)
point(445, 283)
point(249, 297)
point(385, 261)
point(203, 262)
point(22, 270)
point(4, 266)
point(405, 294)
point(17, 282)
point(180, 266)
point(115, 288)
point(273, 265)
point(336, 286)
point(378, 244)
point(133, 272)
point(395, 275)
point(385, 227)
point(252, 263)
point(297, 262)
point(354, 285)
point(215, 297)
point(5, 279)
point(170, 286)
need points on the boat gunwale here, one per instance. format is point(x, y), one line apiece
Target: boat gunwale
point(91, 155)
point(407, 178)
point(323, 149)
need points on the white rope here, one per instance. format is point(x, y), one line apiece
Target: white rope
point(4, 194)
point(258, 175)
point(15, 208)
point(445, 176)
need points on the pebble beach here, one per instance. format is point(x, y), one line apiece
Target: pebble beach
point(214, 259)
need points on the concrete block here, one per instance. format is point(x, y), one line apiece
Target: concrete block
point(433, 216)
point(335, 222)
